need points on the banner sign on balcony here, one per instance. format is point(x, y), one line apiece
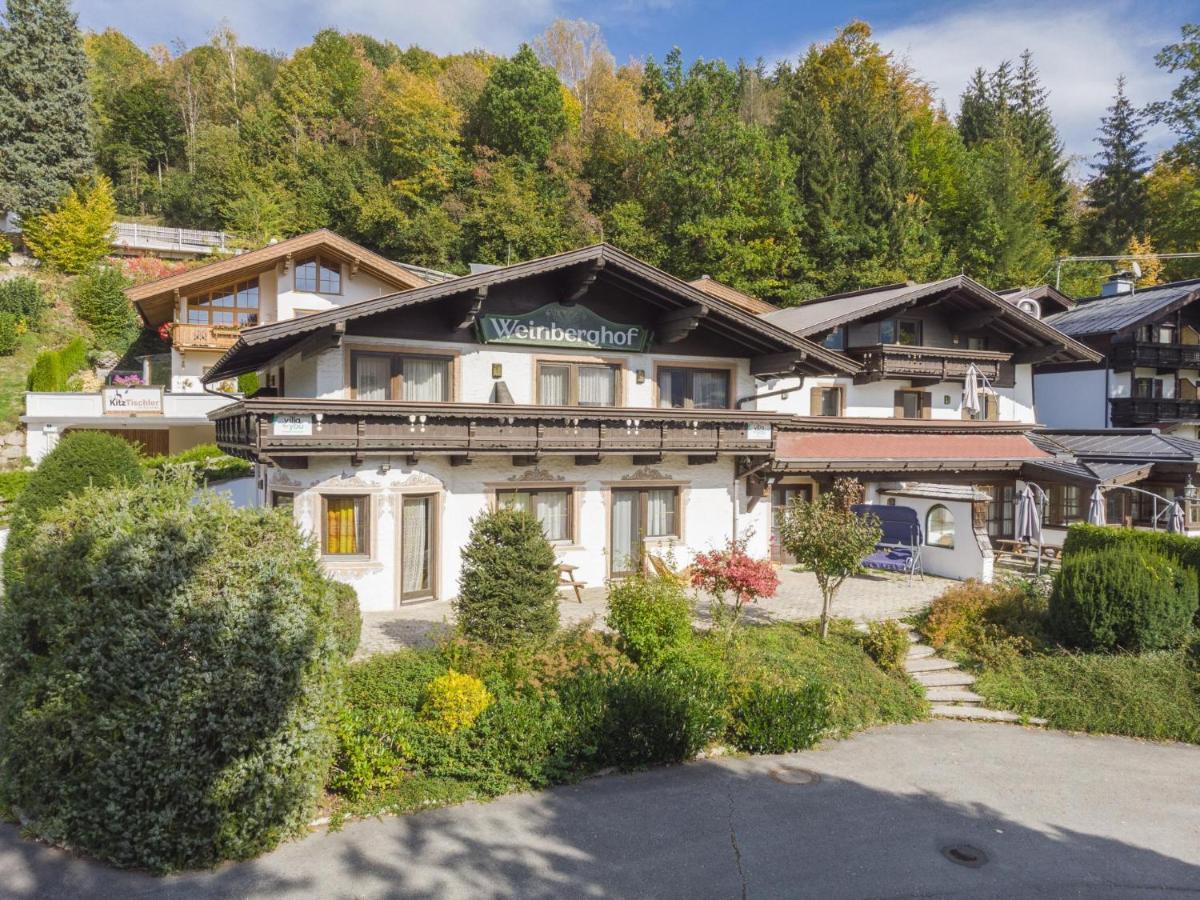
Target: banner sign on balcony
point(758, 432)
point(133, 401)
point(291, 425)
point(556, 325)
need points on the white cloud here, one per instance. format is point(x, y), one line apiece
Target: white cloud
point(443, 26)
point(1079, 51)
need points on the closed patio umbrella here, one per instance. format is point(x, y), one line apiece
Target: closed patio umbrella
point(971, 391)
point(1097, 514)
point(1177, 521)
point(1027, 522)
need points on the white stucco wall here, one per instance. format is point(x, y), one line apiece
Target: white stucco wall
point(1075, 399)
point(707, 500)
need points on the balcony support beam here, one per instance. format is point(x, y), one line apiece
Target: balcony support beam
point(787, 363)
point(474, 310)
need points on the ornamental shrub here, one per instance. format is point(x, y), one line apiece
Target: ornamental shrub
point(209, 463)
point(52, 368)
point(1125, 597)
point(168, 671)
point(22, 298)
point(887, 643)
point(372, 747)
point(11, 329)
point(652, 616)
point(732, 571)
point(454, 701)
point(75, 235)
point(508, 589)
point(81, 459)
point(347, 617)
point(780, 718)
point(99, 299)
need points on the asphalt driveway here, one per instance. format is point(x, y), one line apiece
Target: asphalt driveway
point(1055, 815)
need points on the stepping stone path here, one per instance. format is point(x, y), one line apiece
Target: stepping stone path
point(948, 688)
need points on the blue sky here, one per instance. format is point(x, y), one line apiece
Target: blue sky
point(1079, 46)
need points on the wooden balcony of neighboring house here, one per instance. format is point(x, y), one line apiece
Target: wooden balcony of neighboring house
point(278, 427)
point(186, 337)
point(1134, 411)
point(924, 365)
point(1161, 357)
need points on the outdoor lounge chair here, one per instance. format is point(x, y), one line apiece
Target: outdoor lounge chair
point(899, 547)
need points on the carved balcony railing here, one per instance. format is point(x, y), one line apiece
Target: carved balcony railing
point(1163, 357)
point(930, 365)
point(203, 337)
point(1132, 411)
point(292, 427)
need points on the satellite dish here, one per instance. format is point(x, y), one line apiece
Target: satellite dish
point(1137, 270)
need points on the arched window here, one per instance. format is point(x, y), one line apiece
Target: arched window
point(939, 527)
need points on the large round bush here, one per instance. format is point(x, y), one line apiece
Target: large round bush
point(652, 616)
point(1124, 597)
point(81, 459)
point(508, 589)
point(168, 668)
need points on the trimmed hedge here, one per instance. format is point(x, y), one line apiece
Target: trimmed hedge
point(1123, 597)
point(347, 617)
point(52, 368)
point(1179, 547)
point(168, 674)
point(780, 718)
point(508, 589)
point(81, 459)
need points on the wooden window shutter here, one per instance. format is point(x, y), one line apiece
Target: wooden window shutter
point(926, 405)
point(840, 393)
point(898, 405)
point(814, 401)
point(993, 408)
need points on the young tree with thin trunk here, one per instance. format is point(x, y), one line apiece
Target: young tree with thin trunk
point(829, 539)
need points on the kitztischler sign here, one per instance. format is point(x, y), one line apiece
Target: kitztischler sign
point(556, 325)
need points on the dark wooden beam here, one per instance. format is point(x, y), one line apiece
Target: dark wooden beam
point(701, 459)
point(1034, 354)
point(524, 460)
point(587, 460)
point(583, 281)
point(463, 459)
point(975, 320)
point(325, 339)
point(647, 459)
point(474, 310)
point(783, 363)
point(679, 323)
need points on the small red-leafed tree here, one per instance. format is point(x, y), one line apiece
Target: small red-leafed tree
point(732, 573)
point(827, 537)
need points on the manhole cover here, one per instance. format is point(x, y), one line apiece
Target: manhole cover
point(965, 855)
point(794, 775)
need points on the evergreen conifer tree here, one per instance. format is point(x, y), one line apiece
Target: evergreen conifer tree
point(45, 136)
point(1116, 195)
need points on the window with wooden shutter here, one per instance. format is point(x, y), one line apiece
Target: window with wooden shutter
point(989, 409)
point(913, 405)
point(825, 401)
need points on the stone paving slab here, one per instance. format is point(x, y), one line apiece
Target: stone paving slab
point(862, 598)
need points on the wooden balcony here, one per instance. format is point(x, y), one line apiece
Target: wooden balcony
point(203, 337)
point(930, 365)
point(1134, 411)
point(272, 427)
point(1161, 357)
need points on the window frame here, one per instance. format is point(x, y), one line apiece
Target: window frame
point(689, 369)
point(924, 404)
point(643, 492)
point(836, 339)
point(363, 551)
point(533, 490)
point(929, 542)
point(1059, 511)
point(396, 372)
point(1156, 388)
point(319, 287)
point(896, 324)
point(990, 410)
point(816, 400)
point(203, 303)
point(573, 366)
point(276, 494)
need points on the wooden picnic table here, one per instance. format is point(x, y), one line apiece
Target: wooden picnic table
point(566, 578)
point(1011, 550)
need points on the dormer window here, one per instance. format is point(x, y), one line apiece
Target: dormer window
point(906, 332)
point(319, 276)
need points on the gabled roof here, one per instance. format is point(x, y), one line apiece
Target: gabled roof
point(746, 301)
point(1045, 294)
point(1124, 312)
point(155, 300)
point(255, 347)
point(821, 315)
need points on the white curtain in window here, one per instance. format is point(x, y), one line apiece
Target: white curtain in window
point(624, 530)
point(414, 545)
point(710, 390)
point(597, 386)
point(670, 388)
point(425, 379)
point(660, 512)
point(554, 385)
point(552, 513)
point(373, 377)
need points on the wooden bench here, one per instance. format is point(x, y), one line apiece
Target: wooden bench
point(566, 578)
point(1020, 555)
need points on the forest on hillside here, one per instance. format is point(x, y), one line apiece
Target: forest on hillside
point(831, 171)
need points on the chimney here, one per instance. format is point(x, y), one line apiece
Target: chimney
point(1120, 283)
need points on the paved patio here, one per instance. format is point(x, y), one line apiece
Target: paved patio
point(862, 598)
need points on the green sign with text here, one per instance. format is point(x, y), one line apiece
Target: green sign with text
point(557, 325)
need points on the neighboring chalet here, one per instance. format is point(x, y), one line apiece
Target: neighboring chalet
point(1149, 370)
point(616, 402)
point(901, 425)
point(202, 311)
